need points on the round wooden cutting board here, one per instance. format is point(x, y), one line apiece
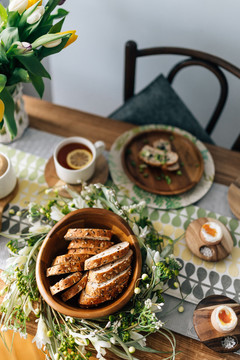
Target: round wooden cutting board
point(234, 197)
point(195, 243)
point(203, 326)
point(100, 176)
point(154, 179)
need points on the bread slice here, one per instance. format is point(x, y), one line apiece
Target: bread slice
point(155, 157)
point(70, 258)
point(162, 144)
point(107, 287)
point(94, 234)
point(115, 252)
point(90, 301)
point(85, 251)
point(90, 244)
point(110, 270)
point(173, 167)
point(65, 283)
point(75, 289)
point(65, 268)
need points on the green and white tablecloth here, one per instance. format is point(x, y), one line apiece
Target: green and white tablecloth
point(198, 278)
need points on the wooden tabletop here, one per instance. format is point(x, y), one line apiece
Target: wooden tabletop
point(68, 122)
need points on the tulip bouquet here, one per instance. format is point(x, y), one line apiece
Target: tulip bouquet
point(29, 32)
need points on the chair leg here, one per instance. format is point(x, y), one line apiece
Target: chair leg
point(236, 145)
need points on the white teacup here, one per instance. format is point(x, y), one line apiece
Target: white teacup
point(8, 177)
point(72, 176)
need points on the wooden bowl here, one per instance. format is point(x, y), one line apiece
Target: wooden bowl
point(54, 245)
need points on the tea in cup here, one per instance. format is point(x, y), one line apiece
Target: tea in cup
point(75, 159)
point(8, 178)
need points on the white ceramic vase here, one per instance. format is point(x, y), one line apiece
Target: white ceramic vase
point(20, 115)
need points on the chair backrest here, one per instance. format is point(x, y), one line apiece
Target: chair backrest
point(193, 57)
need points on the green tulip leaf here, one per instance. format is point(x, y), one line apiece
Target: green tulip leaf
point(50, 6)
point(3, 56)
point(33, 65)
point(3, 14)
point(57, 27)
point(38, 84)
point(59, 14)
point(9, 36)
point(13, 19)
point(18, 75)
point(3, 80)
point(6, 97)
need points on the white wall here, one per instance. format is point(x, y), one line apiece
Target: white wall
point(88, 75)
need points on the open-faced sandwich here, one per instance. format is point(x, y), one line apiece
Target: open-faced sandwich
point(94, 267)
point(160, 154)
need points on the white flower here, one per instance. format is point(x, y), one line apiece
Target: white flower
point(18, 5)
point(153, 257)
point(138, 337)
point(158, 324)
point(36, 15)
point(79, 203)
point(100, 346)
point(38, 228)
point(148, 303)
point(41, 337)
point(56, 214)
point(113, 340)
point(27, 307)
point(20, 259)
point(70, 319)
point(4, 328)
point(115, 326)
point(23, 335)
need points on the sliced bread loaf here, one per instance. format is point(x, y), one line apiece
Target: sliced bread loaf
point(89, 300)
point(64, 268)
point(110, 270)
point(65, 283)
point(75, 289)
point(107, 287)
point(98, 234)
point(115, 252)
point(70, 258)
point(90, 244)
point(85, 251)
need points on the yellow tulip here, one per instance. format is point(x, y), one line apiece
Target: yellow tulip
point(72, 38)
point(55, 43)
point(32, 2)
point(2, 108)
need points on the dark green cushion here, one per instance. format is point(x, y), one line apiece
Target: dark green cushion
point(158, 103)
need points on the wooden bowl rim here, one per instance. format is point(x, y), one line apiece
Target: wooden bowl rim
point(90, 313)
point(156, 191)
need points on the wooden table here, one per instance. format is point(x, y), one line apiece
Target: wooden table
point(68, 122)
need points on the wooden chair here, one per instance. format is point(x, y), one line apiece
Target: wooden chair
point(193, 57)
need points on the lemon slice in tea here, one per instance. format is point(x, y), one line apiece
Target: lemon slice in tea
point(79, 158)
